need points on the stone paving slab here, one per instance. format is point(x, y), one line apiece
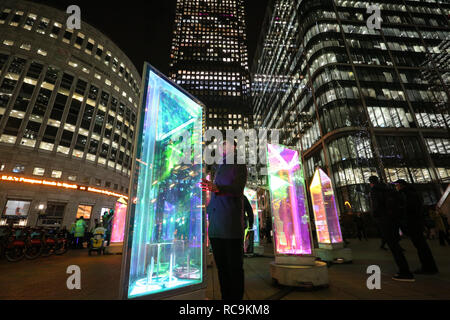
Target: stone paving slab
point(45, 278)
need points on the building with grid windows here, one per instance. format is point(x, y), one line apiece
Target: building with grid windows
point(358, 101)
point(209, 59)
point(68, 111)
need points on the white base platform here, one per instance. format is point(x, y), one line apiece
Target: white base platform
point(114, 248)
point(300, 276)
point(342, 255)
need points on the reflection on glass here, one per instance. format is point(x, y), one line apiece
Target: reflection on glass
point(287, 190)
point(253, 199)
point(166, 235)
point(118, 227)
point(325, 211)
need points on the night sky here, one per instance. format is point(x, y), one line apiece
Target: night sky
point(143, 29)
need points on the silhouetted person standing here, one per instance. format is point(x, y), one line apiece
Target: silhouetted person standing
point(411, 208)
point(249, 220)
point(386, 215)
point(226, 224)
point(360, 227)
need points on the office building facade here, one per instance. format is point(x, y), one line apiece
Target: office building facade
point(358, 101)
point(68, 110)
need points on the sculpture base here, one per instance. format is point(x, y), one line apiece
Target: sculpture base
point(314, 276)
point(342, 255)
point(295, 260)
point(114, 248)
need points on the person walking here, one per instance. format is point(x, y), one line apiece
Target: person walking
point(438, 218)
point(411, 209)
point(107, 224)
point(385, 213)
point(226, 223)
point(80, 228)
point(72, 234)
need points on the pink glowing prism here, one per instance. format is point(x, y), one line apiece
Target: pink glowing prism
point(292, 232)
point(118, 227)
point(325, 212)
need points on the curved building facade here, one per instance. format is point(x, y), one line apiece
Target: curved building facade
point(68, 111)
point(359, 101)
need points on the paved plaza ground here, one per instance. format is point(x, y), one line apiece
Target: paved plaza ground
point(45, 278)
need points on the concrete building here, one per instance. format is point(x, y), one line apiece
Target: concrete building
point(68, 108)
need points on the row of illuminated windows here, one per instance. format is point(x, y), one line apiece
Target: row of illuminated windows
point(58, 174)
point(438, 145)
point(389, 6)
point(81, 92)
point(436, 21)
point(80, 40)
point(108, 82)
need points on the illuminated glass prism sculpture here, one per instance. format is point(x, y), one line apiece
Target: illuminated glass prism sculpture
point(164, 249)
point(325, 212)
point(118, 226)
point(253, 199)
point(292, 232)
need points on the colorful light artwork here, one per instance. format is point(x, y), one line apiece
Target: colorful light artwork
point(165, 240)
point(290, 218)
point(253, 199)
point(325, 213)
point(120, 215)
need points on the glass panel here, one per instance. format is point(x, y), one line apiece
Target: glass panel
point(325, 211)
point(166, 247)
point(118, 227)
point(253, 199)
point(287, 189)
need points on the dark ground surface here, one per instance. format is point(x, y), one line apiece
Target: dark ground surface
point(45, 278)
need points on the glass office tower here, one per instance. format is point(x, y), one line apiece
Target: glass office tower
point(358, 101)
point(209, 59)
point(164, 253)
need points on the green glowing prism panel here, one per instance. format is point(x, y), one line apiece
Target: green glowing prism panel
point(167, 216)
point(253, 199)
point(292, 232)
point(325, 213)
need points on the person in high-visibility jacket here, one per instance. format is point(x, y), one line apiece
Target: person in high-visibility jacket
point(80, 228)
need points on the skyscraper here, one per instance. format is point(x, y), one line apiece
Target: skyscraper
point(358, 101)
point(209, 59)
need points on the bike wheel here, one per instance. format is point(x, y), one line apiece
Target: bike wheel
point(15, 254)
point(33, 252)
point(61, 248)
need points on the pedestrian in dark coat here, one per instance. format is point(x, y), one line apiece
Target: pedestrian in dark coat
point(411, 209)
point(226, 224)
point(385, 214)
